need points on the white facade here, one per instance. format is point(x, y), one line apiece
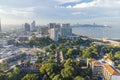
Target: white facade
point(114, 77)
point(66, 30)
point(73, 37)
point(54, 34)
point(105, 70)
point(61, 56)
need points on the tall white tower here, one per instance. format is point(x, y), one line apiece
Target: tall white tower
point(54, 34)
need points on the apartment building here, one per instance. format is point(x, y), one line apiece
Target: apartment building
point(110, 73)
point(104, 71)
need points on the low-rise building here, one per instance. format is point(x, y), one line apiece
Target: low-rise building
point(104, 70)
point(61, 56)
point(23, 38)
point(11, 55)
point(73, 37)
point(96, 68)
point(34, 68)
point(110, 73)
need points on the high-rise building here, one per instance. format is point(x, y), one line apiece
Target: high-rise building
point(27, 27)
point(55, 25)
point(0, 26)
point(52, 25)
point(58, 26)
point(66, 30)
point(54, 34)
point(33, 25)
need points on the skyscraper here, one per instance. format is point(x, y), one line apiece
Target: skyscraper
point(66, 30)
point(52, 25)
point(0, 26)
point(54, 34)
point(59, 27)
point(55, 25)
point(33, 25)
point(27, 27)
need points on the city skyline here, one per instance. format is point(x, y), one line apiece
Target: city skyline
point(60, 11)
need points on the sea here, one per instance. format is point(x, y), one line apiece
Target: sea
point(98, 32)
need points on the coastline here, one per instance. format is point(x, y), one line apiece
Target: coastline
point(112, 42)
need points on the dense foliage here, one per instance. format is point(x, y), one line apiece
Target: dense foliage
point(40, 42)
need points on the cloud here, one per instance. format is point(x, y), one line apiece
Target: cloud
point(2, 11)
point(17, 11)
point(96, 3)
point(22, 11)
point(67, 1)
point(60, 10)
point(77, 13)
point(86, 5)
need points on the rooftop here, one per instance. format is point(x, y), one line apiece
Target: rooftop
point(111, 70)
point(96, 63)
point(8, 52)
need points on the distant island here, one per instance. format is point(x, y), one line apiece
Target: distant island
point(89, 25)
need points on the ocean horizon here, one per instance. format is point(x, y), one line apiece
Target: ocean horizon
point(98, 32)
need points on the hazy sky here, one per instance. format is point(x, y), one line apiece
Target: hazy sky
point(73, 11)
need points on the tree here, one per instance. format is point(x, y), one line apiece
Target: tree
point(117, 54)
point(57, 77)
point(52, 46)
point(86, 53)
point(49, 69)
point(16, 70)
point(46, 49)
point(63, 48)
point(110, 56)
point(30, 77)
point(68, 72)
point(3, 77)
point(10, 75)
point(116, 62)
point(78, 78)
point(69, 62)
point(4, 66)
point(119, 66)
point(40, 42)
point(14, 75)
point(92, 51)
point(69, 52)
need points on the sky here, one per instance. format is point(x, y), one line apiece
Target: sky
point(105, 12)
